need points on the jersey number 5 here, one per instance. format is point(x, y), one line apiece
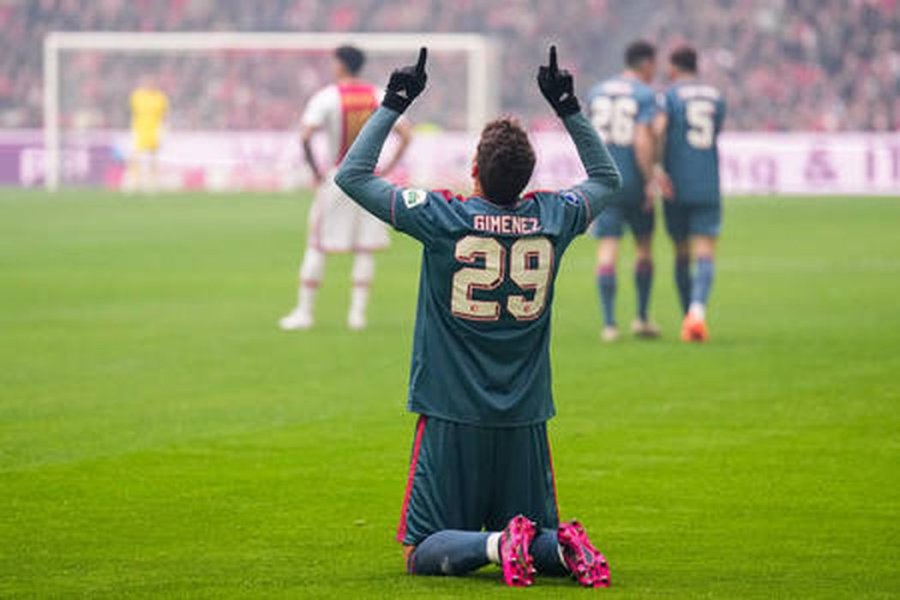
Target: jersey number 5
point(530, 268)
point(701, 129)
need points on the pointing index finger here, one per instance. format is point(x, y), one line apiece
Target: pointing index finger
point(423, 55)
point(553, 66)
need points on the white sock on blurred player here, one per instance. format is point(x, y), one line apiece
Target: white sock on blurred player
point(311, 272)
point(363, 272)
point(697, 310)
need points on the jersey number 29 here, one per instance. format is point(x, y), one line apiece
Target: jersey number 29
point(530, 267)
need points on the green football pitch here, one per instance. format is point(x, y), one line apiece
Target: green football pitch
point(159, 436)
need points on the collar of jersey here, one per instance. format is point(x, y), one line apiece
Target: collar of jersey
point(524, 199)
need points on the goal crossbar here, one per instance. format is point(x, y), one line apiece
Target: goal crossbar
point(481, 97)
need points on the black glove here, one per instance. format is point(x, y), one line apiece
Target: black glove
point(405, 84)
point(558, 88)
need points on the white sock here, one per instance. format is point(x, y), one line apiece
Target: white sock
point(697, 310)
point(493, 547)
point(562, 558)
point(363, 272)
point(359, 299)
point(306, 297)
point(311, 271)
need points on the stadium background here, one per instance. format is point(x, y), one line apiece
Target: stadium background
point(840, 56)
point(160, 437)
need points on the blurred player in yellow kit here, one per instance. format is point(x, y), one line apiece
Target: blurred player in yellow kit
point(149, 106)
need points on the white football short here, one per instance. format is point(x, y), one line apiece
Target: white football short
point(338, 224)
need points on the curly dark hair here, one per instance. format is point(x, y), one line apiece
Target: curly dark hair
point(505, 160)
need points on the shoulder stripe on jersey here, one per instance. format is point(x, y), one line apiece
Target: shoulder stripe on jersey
point(587, 205)
point(449, 196)
point(533, 193)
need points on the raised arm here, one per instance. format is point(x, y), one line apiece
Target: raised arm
point(403, 132)
point(356, 175)
point(603, 175)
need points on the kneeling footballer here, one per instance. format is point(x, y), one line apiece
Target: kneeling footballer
point(481, 487)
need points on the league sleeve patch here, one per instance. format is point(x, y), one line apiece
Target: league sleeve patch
point(571, 197)
point(413, 198)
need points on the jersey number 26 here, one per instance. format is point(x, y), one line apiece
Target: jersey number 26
point(613, 118)
point(530, 267)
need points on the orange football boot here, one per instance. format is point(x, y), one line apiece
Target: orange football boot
point(694, 329)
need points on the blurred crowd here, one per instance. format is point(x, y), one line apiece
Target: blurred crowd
point(818, 65)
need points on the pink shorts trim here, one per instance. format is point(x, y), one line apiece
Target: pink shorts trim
point(413, 463)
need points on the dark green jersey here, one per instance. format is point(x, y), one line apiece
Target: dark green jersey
point(481, 353)
point(695, 115)
point(617, 107)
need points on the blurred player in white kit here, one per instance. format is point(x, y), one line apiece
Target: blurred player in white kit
point(336, 223)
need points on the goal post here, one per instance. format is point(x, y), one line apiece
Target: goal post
point(481, 97)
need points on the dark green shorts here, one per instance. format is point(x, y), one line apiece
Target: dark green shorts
point(473, 478)
point(612, 220)
point(686, 219)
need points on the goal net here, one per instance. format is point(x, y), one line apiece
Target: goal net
point(235, 100)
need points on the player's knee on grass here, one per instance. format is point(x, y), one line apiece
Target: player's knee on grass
point(545, 550)
point(448, 552)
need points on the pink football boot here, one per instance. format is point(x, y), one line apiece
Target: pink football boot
point(587, 565)
point(515, 541)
